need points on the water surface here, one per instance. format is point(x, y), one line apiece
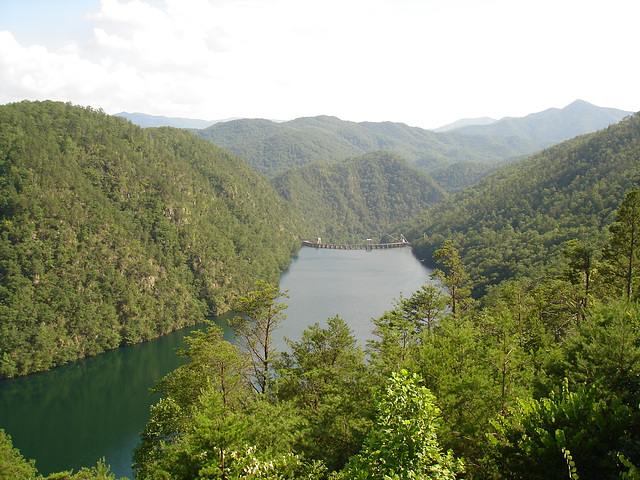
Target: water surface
point(74, 415)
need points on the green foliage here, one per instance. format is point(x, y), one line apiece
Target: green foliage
point(455, 278)
point(403, 443)
point(326, 380)
point(12, 463)
point(254, 441)
point(259, 317)
point(533, 442)
point(271, 148)
point(633, 473)
point(359, 198)
point(402, 327)
point(605, 349)
point(622, 253)
point(215, 374)
point(111, 235)
point(210, 422)
point(515, 222)
point(456, 176)
point(14, 466)
point(100, 472)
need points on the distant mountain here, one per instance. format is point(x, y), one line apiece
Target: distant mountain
point(362, 197)
point(553, 125)
point(145, 121)
point(465, 122)
point(271, 148)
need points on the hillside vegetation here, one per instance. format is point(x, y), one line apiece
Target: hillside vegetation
point(362, 197)
point(111, 235)
point(537, 377)
point(515, 221)
point(455, 158)
point(271, 148)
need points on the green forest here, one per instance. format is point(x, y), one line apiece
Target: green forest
point(523, 364)
point(111, 235)
point(515, 222)
point(362, 197)
point(271, 148)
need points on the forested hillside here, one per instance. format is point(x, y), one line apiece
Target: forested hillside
point(270, 147)
point(359, 198)
point(536, 378)
point(111, 235)
point(515, 222)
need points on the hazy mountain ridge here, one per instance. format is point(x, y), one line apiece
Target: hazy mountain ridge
point(146, 121)
point(465, 122)
point(306, 140)
point(553, 125)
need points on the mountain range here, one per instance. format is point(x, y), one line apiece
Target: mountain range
point(456, 155)
point(552, 125)
point(146, 121)
point(134, 232)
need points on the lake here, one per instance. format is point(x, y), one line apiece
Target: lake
point(76, 414)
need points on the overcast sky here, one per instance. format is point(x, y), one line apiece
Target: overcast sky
point(425, 63)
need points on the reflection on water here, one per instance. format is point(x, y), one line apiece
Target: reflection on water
point(74, 415)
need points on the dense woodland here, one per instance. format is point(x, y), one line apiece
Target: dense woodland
point(272, 148)
point(515, 222)
point(362, 197)
point(459, 157)
point(111, 234)
point(525, 364)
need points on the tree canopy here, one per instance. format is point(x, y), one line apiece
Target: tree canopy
point(111, 234)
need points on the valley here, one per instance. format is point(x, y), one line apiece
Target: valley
point(518, 358)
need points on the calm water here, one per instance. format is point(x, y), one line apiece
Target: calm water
point(94, 408)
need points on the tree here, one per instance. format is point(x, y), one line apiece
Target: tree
point(253, 441)
point(402, 327)
point(532, 443)
point(216, 370)
point(12, 463)
point(455, 278)
point(326, 379)
point(605, 349)
point(259, 317)
point(14, 466)
point(425, 306)
point(403, 444)
point(579, 268)
point(622, 251)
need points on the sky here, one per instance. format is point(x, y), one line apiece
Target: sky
point(425, 63)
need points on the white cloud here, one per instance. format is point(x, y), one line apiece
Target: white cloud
point(423, 62)
point(103, 39)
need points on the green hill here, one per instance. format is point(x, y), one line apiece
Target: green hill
point(460, 157)
point(270, 147)
point(111, 234)
point(362, 197)
point(514, 222)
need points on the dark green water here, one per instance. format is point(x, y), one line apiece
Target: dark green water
point(93, 408)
